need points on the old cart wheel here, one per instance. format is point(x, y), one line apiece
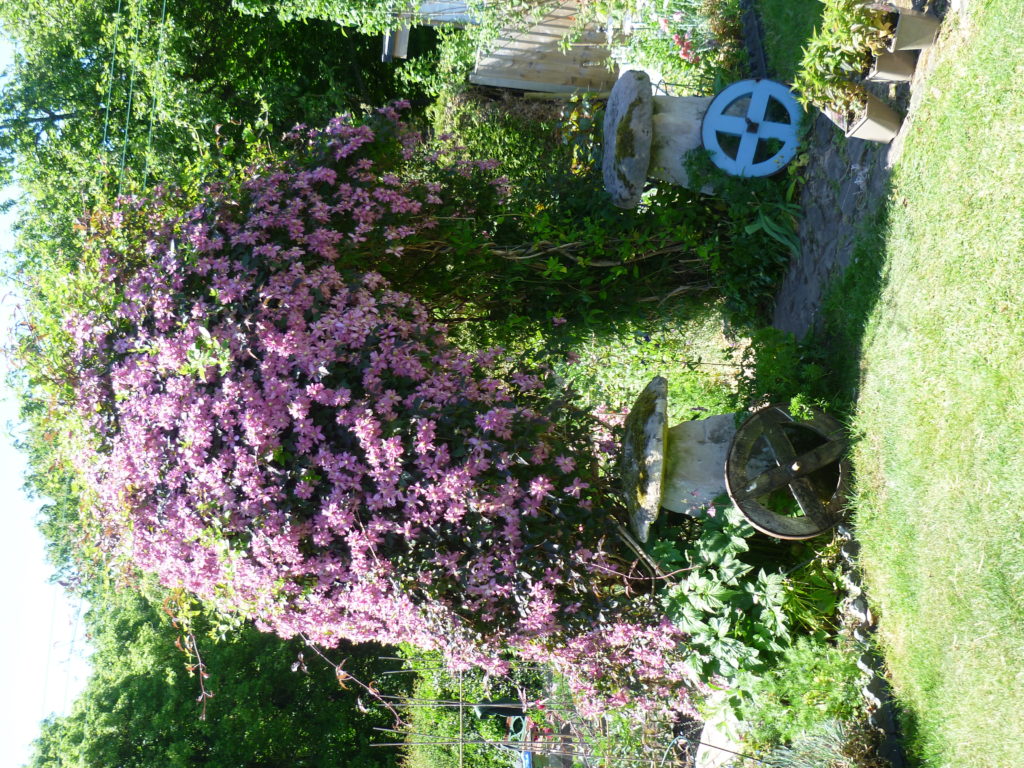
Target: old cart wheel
point(805, 463)
point(756, 130)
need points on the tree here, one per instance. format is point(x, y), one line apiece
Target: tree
point(107, 97)
point(272, 707)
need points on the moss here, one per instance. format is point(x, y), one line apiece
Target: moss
point(635, 471)
point(625, 142)
point(625, 145)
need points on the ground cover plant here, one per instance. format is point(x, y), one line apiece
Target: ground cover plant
point(939, 477)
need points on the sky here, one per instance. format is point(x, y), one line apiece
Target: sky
point(43, 642)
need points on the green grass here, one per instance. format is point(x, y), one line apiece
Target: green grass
point(941, 410)
point(787, 24)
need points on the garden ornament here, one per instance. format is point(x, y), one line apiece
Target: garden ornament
point(764, 142)
point(678, 468)
point(810, 469)
point(652, 136)
point(774, 460)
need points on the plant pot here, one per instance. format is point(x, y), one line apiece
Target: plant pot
point(895, 67)
point(914, 30)
point(877, 121)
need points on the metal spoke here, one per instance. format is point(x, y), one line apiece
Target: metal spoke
point(732, 125)
point(758, 107)
point(800, 466)
point(780, 131)
point(748, 149)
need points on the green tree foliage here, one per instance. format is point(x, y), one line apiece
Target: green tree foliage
point(271, 707)
point(375, 16)
point(160, 90)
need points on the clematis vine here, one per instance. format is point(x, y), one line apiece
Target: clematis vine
point(281, 432)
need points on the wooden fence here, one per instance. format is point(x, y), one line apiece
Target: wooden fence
point(534, 59)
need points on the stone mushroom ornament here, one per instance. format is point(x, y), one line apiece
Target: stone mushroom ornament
point(647, 135)
point(751, 128)
point(773, 455)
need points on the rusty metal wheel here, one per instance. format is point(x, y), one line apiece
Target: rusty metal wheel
point(776, 460)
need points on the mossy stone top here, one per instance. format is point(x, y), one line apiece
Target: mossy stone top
point(628, 130)
point(643, 456)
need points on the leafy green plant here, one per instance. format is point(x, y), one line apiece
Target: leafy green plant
point(444, 69)
point(562, 249)
point(778, 368)
point(756, 234)
point(734, 616)
point(811, 683)
point(615, 361)
point(840, 51)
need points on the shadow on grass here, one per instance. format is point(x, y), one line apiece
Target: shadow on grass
point(848, 305)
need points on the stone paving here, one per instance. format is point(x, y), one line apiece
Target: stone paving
point(847, 179)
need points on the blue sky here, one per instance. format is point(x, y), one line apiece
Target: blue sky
point(43, 643)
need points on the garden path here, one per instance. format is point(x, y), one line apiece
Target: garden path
point(847, 179)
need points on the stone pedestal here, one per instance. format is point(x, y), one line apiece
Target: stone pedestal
point(695, 458)
point(676, 122)
point(681, 469)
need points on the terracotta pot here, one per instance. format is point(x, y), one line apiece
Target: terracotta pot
point(914, 30)
point(895, 67)
point(877, 121)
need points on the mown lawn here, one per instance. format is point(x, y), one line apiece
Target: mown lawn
point(787, 24)
point(940, 461)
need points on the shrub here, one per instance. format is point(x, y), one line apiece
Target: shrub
point(275, 428)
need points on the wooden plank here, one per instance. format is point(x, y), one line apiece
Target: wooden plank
point(577, 57)
point(593, 76)
point(550, 72)
point(528, 85)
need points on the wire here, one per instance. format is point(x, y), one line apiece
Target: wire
point(156, 89)
point(669, 748)
point(110, 75)
point(131, 92)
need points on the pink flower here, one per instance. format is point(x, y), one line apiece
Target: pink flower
point(282, 433)
point(576, 487)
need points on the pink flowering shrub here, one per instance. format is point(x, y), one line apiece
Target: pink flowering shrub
point(282, 433)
